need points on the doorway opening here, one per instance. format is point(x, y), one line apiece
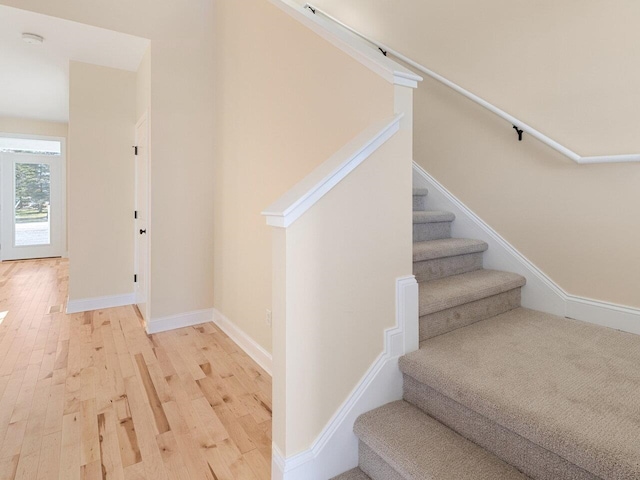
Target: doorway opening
point(32, 197)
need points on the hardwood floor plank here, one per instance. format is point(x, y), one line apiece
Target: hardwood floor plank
point(161, 422)
point(90, 443)
point(33, 436)
point(49, 464)
point(144, 430)
point(110, 459)
point(8, 467)
point(171, 456)
point(188, 446)
point(91, 471)
point(70, 453)
point(128, 441)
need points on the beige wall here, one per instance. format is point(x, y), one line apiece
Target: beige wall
point(101, 186)
point(181, 99)
point(568, 69)
point(27, 126)
point(286, 100)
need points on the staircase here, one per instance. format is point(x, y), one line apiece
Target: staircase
point(497, 391)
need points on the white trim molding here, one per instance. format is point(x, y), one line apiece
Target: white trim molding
point(540, 292)
point(180, 320)
point(349, 43)
point(244, 341)
point(606, 314)
point(336, 448)
point(293, 204)
point(98, 303)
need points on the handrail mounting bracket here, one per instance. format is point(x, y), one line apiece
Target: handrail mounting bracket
point(519, 131)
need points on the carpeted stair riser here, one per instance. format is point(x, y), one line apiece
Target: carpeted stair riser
point(374, 466)
point(445, 267)
point(528, 457)
point(444, 321)
point(419, 202)
point(400, 442)
point(423, 232)
point(447, 247)
point(450, 292)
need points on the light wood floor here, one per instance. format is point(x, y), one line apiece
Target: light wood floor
point(91, 396)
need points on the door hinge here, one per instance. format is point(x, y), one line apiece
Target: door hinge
point(135, 150)
point(135, 214)
point(135, 278)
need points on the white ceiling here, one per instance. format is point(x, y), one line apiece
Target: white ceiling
point(34, 79)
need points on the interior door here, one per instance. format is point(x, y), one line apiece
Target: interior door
point(142, 217)
point(32, 206)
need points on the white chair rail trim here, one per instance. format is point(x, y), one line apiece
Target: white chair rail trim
point(318, 183)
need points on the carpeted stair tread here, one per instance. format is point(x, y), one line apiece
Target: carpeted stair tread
point(420, 448)
point(446, 247)
point(570, 387)
point(423, 192)
point(432, 216)
point(355, 474)
point(468, 287)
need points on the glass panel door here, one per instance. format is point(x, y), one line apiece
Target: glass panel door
point(32, 202)
point(32, 206)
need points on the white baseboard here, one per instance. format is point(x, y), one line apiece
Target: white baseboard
point(541, 292)
point(602, 313)
point(98, 303)
point(336, 448)
point(179, 320)
point(244, 341)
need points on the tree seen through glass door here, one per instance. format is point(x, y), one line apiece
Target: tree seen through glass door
point(32, 204)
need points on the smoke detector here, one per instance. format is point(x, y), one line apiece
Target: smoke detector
point(32, 38)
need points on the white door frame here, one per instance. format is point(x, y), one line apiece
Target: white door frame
point(62, 199)
point(137, 236)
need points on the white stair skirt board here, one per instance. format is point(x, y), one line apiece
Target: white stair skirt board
point(180, 320)
point(336, 449)
point(244, 341)
point(540, 292)
point(98, 303)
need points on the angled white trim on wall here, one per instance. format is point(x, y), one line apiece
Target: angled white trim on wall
point(540, 292)
point(336, 448)
point(288, 208)
point(244, 341)
point(98, 303)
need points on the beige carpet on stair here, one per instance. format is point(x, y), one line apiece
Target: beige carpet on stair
point(417, 447)
point(569, 387)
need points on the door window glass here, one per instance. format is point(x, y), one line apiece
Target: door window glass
point(32, 203)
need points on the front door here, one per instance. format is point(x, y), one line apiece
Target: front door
point(32, 206)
